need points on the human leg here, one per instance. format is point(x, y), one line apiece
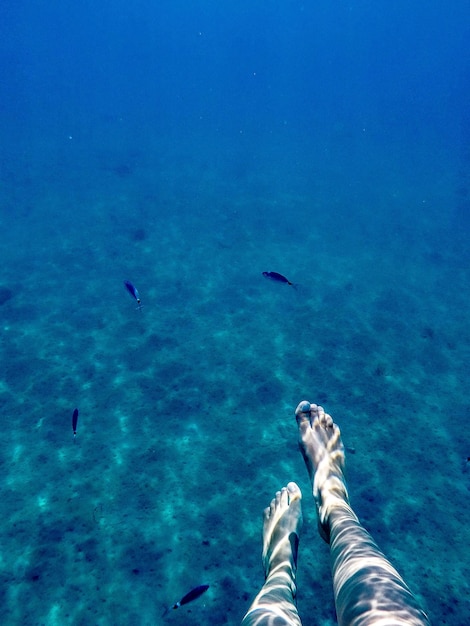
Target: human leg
point(275, 603)
point(368, 590)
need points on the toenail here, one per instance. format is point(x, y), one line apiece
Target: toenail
point(305, 407)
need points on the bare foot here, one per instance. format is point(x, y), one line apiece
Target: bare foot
point(281, 528)
point(275, 603)
point(323, 452)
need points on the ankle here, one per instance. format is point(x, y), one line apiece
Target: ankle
point(282, 576)
point(333, 495)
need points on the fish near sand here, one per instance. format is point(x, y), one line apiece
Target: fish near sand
point(134, 293)
point(277, 278)
point(189, 597)
point(74, 423)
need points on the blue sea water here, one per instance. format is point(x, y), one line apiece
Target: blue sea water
point(188, 147)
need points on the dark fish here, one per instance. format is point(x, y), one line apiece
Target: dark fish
point(189, 597)
point(278, 278)
point(74, 423)
point(134, 293)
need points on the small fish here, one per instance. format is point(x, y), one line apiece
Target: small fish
point(74, 423)
point(134, 293)
point(278, 278)
point(466, 464)
point(189, 597)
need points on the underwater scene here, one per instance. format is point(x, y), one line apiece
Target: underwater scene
point(211, 211)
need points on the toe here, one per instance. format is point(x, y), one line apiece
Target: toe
point(303, 407)
point(303, 413)
point(328, 421)
point(284, 500)
point(294, 492)
point(272, 507)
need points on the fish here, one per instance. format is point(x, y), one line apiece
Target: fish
point(278, 278)
point(134, 293)
point(74, 423)
point(189, 597)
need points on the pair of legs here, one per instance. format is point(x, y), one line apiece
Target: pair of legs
point(367, 589)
